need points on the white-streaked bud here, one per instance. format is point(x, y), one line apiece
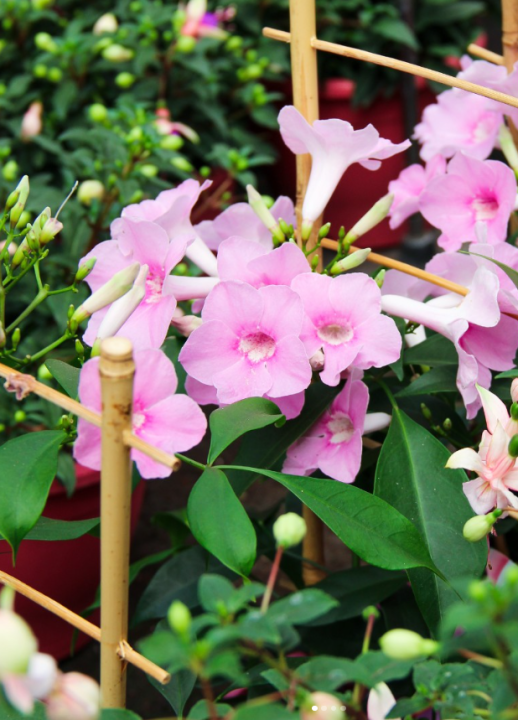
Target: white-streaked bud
point(353, 260)
point(403, 644)
point(289, 530)
point(111, 291)
point(122, 308)
point(258, 205)
point(372, 217)
point(75, 697)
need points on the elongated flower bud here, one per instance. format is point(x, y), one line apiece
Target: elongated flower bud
point(122, 308)
point(107, 23)
point(115, 288)
point(351, 261)
point(179, 617)
point(49, 231)
point(479, 526)
point(372, 217)
point(289, 530)
point(85, 270)
point(508, 147)
point(22, 193)
point(186, 324)
point(514, 390)
point(403, 644)
point(259, 207)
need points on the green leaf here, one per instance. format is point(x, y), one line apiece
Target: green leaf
point(219, 522)
point(435, 350)
point(200, 711)
point(118, 714)
point(329, 673)
point(397, 30)
point(301, 607)
point(28, 466)
point(412, 477)
point(178, 690)
point(66, 375)
point(440, 379)
point(265, 712)
point(50, 529)
point(507, 374)
point(172, 347)
point(372, 528)
point(214, 591)
point(231, 422)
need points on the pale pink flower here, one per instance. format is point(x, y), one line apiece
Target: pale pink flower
point(409, 186)
point(343, 318)
point(334, 443)
point(471, 192)
point(458, 121)
point(497, 471)
point(171, 209)
point(249, 343)
point(199, 22)
point(380, 702)
point(32, 123)
point(334, 145)
point(497, 565)
point(173, 423)
point(166, 126)
point(241, 221)
point(250, 262)
point(74, 697)
point(146, 243)
point(495, 77)
point(22, 690)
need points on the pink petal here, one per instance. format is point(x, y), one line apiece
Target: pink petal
point(280, 324)
point(481, 496)
point(289, 368)
point(468, 459)
point(243, 380)
point(237, 304)
point(494, 409)
point(234, 256)
point(210, 349)
point(280, 266)
point(155, 378)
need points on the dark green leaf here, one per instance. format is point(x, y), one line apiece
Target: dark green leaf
point(301, 607)
point(412, 477)
point(440, 379)
point(201, 711)
point(397, 30)
point(66, 375)
point(172, 347)
point(50, 529)
point(214, 592)
point(265, 712)
point(28, 466)
point(118, 714)
point(219, 522)
point(435, 350)
point(178, 690)
point(231, 422)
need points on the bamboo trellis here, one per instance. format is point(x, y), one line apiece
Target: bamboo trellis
point(117, 371)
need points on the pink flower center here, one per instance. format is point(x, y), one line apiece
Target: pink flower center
point(485, 207)
point(257, 346)
point(154, 284)
point(335, 333)
point(483, 128)
point(138, 419)
point(340, 427)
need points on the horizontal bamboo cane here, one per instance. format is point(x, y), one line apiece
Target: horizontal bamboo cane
point(484, 54)
point(400, 65)
point(125, 651)
point(24, 384)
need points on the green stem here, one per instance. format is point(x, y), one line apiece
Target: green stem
point(271, 580)
point(38, 274)
point(188, 461)
point(40, 297)
point(55, 344)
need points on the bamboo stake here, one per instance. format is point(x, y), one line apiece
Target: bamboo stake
point(304, 74)
point(85, 626)
point(400, 65)
point(510, 32)
point(484, 54)
point(24, 384)
point(116, 369)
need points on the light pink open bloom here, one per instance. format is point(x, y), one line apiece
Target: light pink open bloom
point(495, 77)
point(146, 243)
point(173, 423)
point(240, 220)
point(250, 262)
point(409, 186)
point(343, 318)
point(248, 344)
point(497, 471)
point(471, 192)
point(334, 443)
point(334, 145)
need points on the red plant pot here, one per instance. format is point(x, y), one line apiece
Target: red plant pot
point(359, 189)
point(67, 571)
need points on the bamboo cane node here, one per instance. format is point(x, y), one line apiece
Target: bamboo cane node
point(510, 41)
point(117, 349)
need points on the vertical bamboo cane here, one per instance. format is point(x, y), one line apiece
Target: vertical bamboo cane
point(304, 74)
point(510, 52)
point(116, 368)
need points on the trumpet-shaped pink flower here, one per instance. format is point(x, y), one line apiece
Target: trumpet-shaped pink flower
point(473, 191)
point(249, 345)
point(343, 318)
point(495, 77)
point(146, 243)
point(171, 210)
point(334, 145)
point(458, 122)
point(241, 221)
point(250, 262)
point(173, 423)
point(409, 186)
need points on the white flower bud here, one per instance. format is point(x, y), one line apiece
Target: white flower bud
point(403, 644)
point(17, 643)
point(479, 526)
point(115, 288)
point(75, 697)
point(353, 260)
point(186, 324)
point(107, 23)
point(49, 231)
point(289, 530)
point(90, 190)
point(372, 217)
point(122, 308)
point(42, 674)
point(258, 205)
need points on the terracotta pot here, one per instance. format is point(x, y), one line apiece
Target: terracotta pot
point(359, 189)
point(67, 571)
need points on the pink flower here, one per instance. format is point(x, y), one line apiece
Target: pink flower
point(173, 423)
point(495, 77)
point(351, 333)
point(472, 191)
point(497, 471)
point(75, 697)
point(334, 443)
point(171, 209)
point(409, 186)
point(251, 262)
point(199, 22)
point(165, 126)
point(458, 121)
point(146, 243)
point(249, 343)
point(240, 220)
point(334, 145)
point(31, 122)
point(497, 565)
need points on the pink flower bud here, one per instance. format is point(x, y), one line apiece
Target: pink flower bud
point(32, 122)
point(322, 706)
point(75, 697)
point(186, 324)
point(317, 361)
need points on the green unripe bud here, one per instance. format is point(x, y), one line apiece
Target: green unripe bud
point(341, 233)
point(514, 411)
point(179, 618)
point(251, 56)
point(512, 448)
point(45, 42)
point(20, 416)
point(268, 201)
point(41, 4)
point(253, 71)
point(479, 526)
point(234, 43)
point(18, 644)
point(478, 590)
point(447, 424)
point(2, 428)
point(44, 373)
point(289, 530)
point(25, 218)
point(10, 170)
point(406, 645)
point(205, 171)
point(284, 227)
point(15, 338)
point(314, 262)
point(149, 171)
point(125, 79)
point(185, 44)
point(80, 350)
point(40, 70)
point(135, 134)
point(85, 269)
point(90, 190)
point(370, 611)
point(98, 112)
point(427, 413)
point(181, 163)
point(379, 278)
point(136, 197)
point(55, 75)
point(3, 89)
point(171, 142)
point(324, 231)
point(181, 269)
point(117, 53)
